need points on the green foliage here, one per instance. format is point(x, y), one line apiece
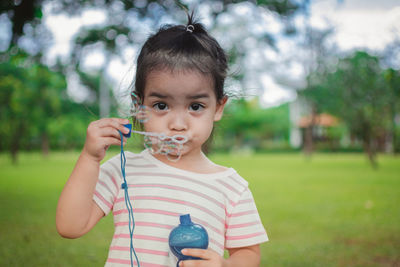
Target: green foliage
point(358, 92)
point(32, 94)
point(282, 7)
point(246, 124)
point(35, 108)
point(392, 80)
point(67, 132)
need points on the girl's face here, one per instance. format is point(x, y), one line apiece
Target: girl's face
point(182, 103)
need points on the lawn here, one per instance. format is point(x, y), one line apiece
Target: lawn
point(329, 210)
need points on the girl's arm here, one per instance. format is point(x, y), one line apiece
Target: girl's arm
point(246, 256)
point(238, 257)
point(76, 212)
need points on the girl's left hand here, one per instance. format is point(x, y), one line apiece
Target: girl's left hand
point(209, 258)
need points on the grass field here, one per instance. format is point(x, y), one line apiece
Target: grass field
point(330, 210)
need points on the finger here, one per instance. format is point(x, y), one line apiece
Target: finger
point(94, 127)
point(194, 263)
point(114, 122)
point(110, 132)
point(116, 126)
point(200, 253)
point(108, 141)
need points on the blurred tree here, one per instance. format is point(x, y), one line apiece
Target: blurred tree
point(13, 109)
point(121, 25)
point(392, 79)
point(245, 123)
point(21, 12)
point(357, 93)
point(317, 63)
point(123, 29)
point(317, 54)
point(126, 20)
point(31, 96)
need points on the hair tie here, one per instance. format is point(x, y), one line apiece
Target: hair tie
point(189, 28)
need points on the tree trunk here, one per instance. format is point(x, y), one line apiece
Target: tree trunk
point(393, 130)
point(371, 152)
point(309, 140)
point(14, 148)
point(45, 144)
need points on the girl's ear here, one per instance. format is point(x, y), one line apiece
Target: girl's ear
point(220, 108)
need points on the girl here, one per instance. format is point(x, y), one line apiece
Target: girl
point(180, 79)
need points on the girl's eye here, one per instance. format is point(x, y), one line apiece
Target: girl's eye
point(196, 107)
point(160, 106)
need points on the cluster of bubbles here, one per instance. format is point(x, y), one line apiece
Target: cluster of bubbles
point(156, 143)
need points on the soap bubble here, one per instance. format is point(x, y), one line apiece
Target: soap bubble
point(140, 112)
point(153, 144)
point(159, 143)
point(156, 143)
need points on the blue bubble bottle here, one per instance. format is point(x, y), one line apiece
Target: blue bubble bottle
point(187, 235)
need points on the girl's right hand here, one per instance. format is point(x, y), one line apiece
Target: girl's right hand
point(101, 134)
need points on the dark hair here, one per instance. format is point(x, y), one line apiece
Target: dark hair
point(180, 47)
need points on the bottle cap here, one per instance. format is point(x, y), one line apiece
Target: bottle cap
point(185, 219)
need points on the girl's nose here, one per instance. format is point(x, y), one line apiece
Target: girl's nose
point(178, 122)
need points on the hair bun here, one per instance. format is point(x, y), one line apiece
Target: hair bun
point(193, 26)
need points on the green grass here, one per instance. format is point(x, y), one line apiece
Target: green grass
point(330, 210)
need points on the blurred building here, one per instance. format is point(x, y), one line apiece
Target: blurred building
point(320, 126)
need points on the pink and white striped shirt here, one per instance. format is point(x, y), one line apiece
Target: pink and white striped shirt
point(159, 193)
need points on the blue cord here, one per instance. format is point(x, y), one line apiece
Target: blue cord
point(128, 203)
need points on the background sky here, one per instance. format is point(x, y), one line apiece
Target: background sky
point(358, 24)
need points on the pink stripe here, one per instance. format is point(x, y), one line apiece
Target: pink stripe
point(217, 243)
point(117, 168)
point(120, 261)
point(238, 214)
point(128, 262)
point(115, 182)
point(146, 224)
point(177, 177)
point(147, 211)
point(132, 156)
point(141, 250)
point(106, 186)
point(143, 237)
point(111, 176)
point(149, 237)
point(140, 165)
point(108, 204)
point(228, 186)
point(121, 236)
point(235, 180)
point(176, 201)
point(179, 188)
point(207, 225)
point(243, 225)
point(237, 237)
point(244, 201)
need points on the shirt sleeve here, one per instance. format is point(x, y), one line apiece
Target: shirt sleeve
point(244, 227)
point(107, 186)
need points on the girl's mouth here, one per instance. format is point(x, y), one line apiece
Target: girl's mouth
point(180, 139)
